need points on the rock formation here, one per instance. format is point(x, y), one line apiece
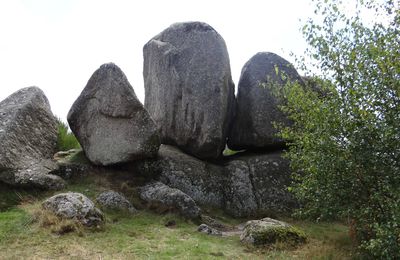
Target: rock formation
point(28, 140)
point(188, 87)
point(257, 108)
point(244, 185)
point(110, 122)
point(257, 185)
point(200, 180)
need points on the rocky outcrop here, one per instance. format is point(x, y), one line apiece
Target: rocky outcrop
point(257, 185)
point(115, 201)
point(202, 181)
point(110, 122)
point(244, 185)
point(188, 87)
point(72, 205)
point(240, 199)
point(257, 106)
point(268, 231)
point(28, 139)
point(159, 195)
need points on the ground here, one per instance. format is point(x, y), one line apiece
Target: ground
point(144, 235)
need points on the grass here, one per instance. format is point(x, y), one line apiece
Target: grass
point(66, 140)
point(26, 231)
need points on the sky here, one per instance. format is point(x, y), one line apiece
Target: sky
point(56, 45)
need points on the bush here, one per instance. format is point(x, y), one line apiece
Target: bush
point(345, 144)
point(66, 140)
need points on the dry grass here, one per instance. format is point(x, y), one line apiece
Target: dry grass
point(29, 232)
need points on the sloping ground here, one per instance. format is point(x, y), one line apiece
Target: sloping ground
point(144, 236)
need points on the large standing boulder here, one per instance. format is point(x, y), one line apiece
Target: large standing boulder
point(28, 140)
point(73, 205)
point(188, 87)
point(257, 107)
point(257, 185)
point(160, 195)
point(110, 122)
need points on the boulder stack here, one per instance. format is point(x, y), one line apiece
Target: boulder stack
point(109, 121)
point(188, 87)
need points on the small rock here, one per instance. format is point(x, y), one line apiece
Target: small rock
point(159, 194)
point(115, 200)
point(72, 205)
point(203, 228)
point(170, 223)
point(268, 231)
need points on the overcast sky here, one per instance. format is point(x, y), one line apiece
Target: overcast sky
point(57, 44)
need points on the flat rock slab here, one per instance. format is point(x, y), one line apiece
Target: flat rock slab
point(189, 89)
point(109, 121)
point(257, 107)
point(160, 195)
point(28, 138)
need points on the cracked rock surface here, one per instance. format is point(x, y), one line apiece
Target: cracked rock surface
point(189, 91)
point(109, 121)
point(28, 140)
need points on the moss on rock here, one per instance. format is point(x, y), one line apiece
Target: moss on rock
point(269, 231)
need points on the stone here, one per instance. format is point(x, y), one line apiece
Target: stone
point(257, 185)
point(188, 88)
point(240, 196)
point(202, 181)
point(257, 108)
point(72, 205)
point(158, 194)
point(268, 231)
point(116, 201)
point(28, 138)
point(203, 228)
point(109, 121)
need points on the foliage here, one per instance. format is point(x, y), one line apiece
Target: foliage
point(345, 144)
point(66, 140)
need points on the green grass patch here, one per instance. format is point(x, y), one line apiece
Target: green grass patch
point(27, 231)
point(66, 140)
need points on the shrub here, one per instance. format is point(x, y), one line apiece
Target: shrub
point(345, 145)
point(66, 140)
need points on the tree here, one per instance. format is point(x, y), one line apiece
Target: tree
point(345, 144)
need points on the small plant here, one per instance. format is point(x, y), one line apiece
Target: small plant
point(56, 225)
point(66, 140)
